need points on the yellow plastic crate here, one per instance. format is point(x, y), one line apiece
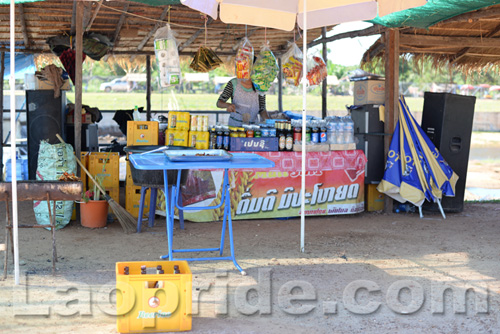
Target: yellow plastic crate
point(142, 133)
point(176, 138)
point(179, 120)
point(114, 193)
point(84, 158)
point(374, 200)
point(133, 199)
point(107, 165)
point(128, 178)
point(199, 139)
point(151, 302)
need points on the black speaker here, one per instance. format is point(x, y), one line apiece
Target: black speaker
point(89, 142)
point(447, 119)
point(369, 136)
point(45, 119)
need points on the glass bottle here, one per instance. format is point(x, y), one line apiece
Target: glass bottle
point(213, 138)
point(256, 132)
point(289, 137)
point(297, 132)
point(282, 137)
point(226, 139)
point(220, 139)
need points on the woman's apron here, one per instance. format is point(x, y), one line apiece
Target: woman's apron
point(247, 106)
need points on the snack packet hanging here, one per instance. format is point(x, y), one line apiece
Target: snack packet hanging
point(264, 70)
point(292, 65)
point(316, 70)
point(244, 60)
point(167, 57)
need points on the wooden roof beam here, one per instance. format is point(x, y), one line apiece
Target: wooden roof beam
point(195, 35)
point(472, 42)
point(373, 30)
point(155, 28)
point(73, 20)
point(473, 16)
point(115, 39)
point(23, 25)
point(96, 11)
point(464, 51)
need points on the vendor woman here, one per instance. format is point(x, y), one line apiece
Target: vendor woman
point(246, 103)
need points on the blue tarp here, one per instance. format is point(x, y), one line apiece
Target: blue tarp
point(25, 63)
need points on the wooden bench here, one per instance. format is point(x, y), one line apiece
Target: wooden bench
point(37, 191)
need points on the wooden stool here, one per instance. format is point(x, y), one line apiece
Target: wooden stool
point(37, 191)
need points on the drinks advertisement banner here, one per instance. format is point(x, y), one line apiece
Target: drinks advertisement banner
point(334, 185)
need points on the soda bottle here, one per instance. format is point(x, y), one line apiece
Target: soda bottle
point(315, 132)
point(322, 133)
point(297, 133)
point(226, 139)
point(220, 139)
point(213, 138)
point(308, 133)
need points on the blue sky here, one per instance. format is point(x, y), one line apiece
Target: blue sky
point(349, 51)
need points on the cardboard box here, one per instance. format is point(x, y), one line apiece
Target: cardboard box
point(45, 84)
point(312, 148)
point(86, 119)
point(199, 139)
point(369, 92)
point(179, 120)
point(342, 147)
point(260, 144)
point(176, 138)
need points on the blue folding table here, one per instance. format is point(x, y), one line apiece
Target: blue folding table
point(159, 161)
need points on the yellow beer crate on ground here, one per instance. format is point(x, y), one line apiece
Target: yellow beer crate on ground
point(176, 138)
point(133, 200)
point(107, 166)
point(153, 302)
point(199, 139)
point(374, 200)
point(94, 162)
point(142, 133)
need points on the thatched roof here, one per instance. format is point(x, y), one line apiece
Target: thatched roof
point(467, 42)
point(131, 27)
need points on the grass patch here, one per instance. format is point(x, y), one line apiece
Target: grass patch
point(168, 100)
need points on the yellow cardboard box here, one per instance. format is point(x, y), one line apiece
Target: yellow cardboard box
point(176, 138)
point(199, 139)
point(179, 120)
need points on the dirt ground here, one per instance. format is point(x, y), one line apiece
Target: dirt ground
point(364, 273)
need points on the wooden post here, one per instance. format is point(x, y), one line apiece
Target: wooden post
point(280, 85)
point(2, 70)
point(324, 87)
point(78, 79)
point(391, 95)
point(148, 88)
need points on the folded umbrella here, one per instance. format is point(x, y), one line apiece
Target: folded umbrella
point(415, 170)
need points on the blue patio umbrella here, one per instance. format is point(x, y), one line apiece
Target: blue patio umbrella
point(415, 170)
